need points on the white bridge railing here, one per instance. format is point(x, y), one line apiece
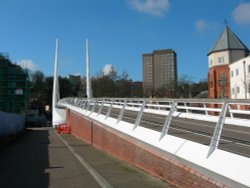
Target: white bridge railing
point(235, 108)
point(235, 112)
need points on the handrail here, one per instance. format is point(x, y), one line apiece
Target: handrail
point(216, 107)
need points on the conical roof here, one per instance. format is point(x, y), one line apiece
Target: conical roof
point(228, 40)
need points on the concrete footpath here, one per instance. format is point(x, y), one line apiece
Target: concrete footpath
point(42, 158)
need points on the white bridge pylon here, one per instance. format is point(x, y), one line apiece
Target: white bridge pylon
point(58, 114)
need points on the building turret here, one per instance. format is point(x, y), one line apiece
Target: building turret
point(227, 49)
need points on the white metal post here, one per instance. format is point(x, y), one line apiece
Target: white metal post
point(122, 111)
point(218, 129)
point(109, 109)
point(167, 122)
point(139, 116)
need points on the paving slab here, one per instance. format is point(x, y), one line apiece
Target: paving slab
point(117, 172)
point(39, 159)
point(42, 158)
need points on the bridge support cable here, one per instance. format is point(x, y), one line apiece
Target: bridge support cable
point(168, 120)
point(139, 116)
point(100, 109)
point(218, 129)
point(122, 112)
point(109, 110)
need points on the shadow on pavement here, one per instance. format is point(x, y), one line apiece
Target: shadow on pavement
point(24, 162)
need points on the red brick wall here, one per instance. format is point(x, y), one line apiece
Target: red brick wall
point(80, 127)
point(214, 88)
point(138, 154)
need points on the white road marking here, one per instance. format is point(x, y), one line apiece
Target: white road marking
point(100, 180)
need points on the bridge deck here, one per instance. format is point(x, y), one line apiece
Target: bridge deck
point(41, 159)
point(235, 139)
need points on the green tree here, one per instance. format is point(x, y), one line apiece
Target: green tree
point(37, 82)
point(103, 87)
point(65, 87)
point(187, 88)
point(123, 86)
point(185, 85)
point(47, 91)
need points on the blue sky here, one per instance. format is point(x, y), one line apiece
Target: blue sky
point(119, 31)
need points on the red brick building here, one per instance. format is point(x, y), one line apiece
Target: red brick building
point(227, 49)
point(219, 82)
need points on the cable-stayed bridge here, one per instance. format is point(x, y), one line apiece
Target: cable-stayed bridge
point(210, 138)
point(186, 142)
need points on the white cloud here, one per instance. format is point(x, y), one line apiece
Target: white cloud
point(153, 7)
point(201, 25)
point(241, 13)
point(204, 25)
point(27, 64)
point(107, 69)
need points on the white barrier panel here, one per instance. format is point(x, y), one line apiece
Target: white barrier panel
point(10, 124)
point(223, 166)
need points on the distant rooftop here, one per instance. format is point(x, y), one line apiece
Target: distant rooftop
point(228, 40)
point(162, 51)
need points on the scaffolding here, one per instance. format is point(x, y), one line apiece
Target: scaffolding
point(14, 87)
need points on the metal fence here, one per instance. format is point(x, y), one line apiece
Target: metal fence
point(222, 109)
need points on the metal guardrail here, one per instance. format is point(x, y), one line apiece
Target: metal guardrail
point(221, 108)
